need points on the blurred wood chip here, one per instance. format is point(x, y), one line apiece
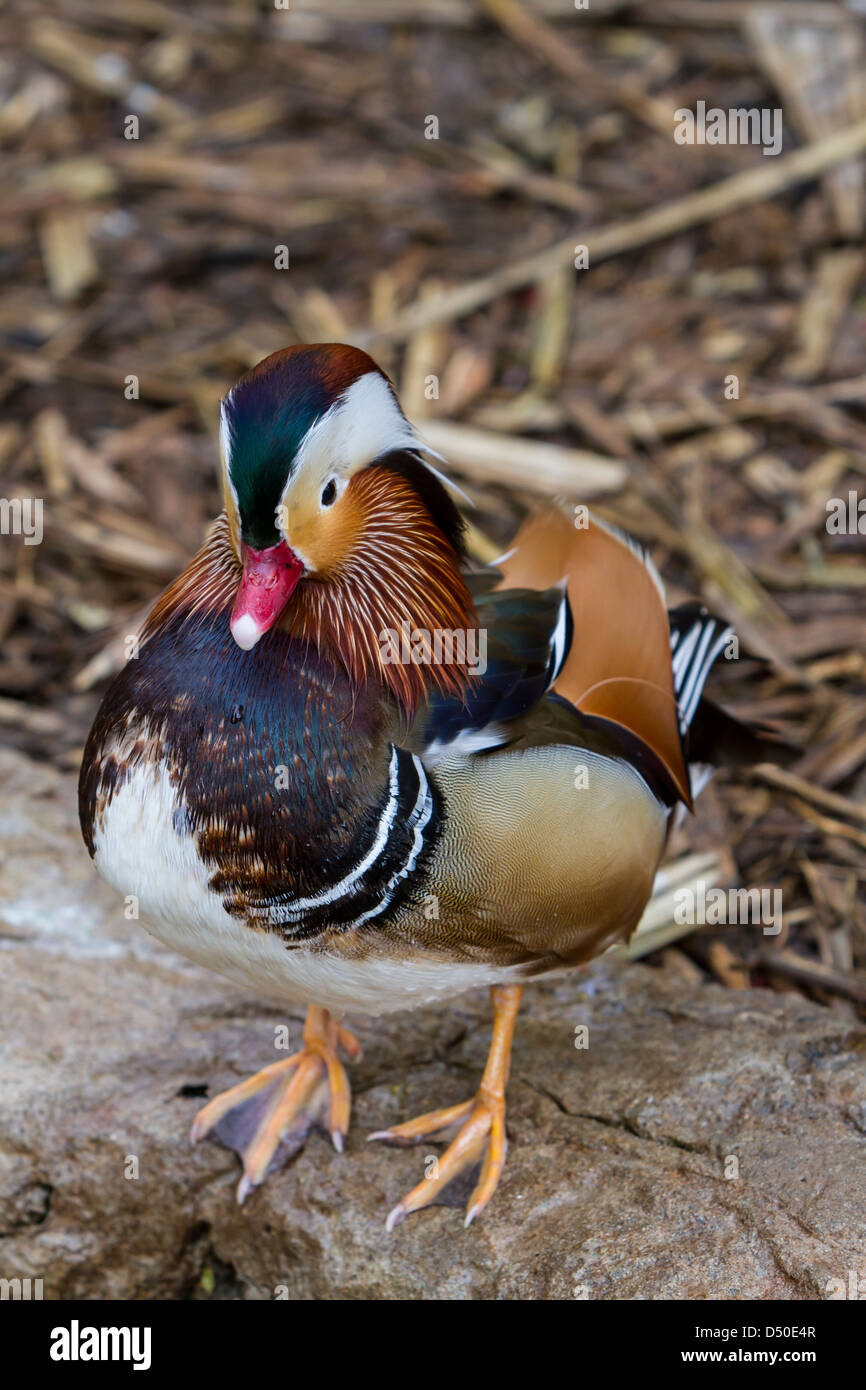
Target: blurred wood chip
point(816, 55)
point(67, 253)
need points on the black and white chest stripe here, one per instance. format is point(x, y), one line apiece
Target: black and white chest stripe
point(386, 867)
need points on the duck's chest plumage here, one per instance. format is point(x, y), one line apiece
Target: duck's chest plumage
point(253, 811)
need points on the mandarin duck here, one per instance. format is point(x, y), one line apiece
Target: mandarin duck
point(347, 772)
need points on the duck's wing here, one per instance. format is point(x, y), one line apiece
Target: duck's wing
point(578, 612)
point(519, 645)
point(618, 669)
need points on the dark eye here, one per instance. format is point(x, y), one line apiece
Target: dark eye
point(329, 494)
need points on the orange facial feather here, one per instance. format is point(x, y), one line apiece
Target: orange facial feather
point(391, 570)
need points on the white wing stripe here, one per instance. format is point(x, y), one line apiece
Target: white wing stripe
point(557, 641)
point(683, 656)
point(696, 693)
point(696, 666)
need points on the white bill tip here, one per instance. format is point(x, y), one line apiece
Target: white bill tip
point(246, 631)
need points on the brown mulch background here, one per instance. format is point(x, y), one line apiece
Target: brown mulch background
point(153, 259)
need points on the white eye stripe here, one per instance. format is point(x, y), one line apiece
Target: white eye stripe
point(364, 423)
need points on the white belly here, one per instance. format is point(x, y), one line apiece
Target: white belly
point(142, 854)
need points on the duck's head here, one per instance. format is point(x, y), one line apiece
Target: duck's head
point(341, 525)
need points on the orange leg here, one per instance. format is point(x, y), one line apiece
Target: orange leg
point(483, 1123)
point(298, 1088)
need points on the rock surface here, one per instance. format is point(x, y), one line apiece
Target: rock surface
point(615, 1186)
